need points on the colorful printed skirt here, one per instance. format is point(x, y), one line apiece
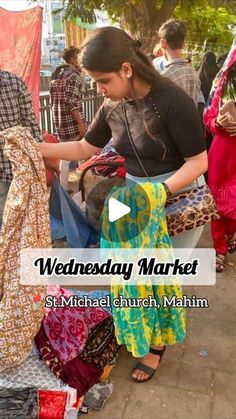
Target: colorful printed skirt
point(140, 327)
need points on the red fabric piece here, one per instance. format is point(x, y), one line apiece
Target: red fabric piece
point(88, 162)
point(107, 171)
point(222, 174)
point(78, 403)
point(68, 328)
point(222, 229)
point(49, 138)
point(121, 171)
point(75, 373)
point(52, 404)
point(20, 47)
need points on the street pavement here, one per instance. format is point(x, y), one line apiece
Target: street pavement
point(197, 378)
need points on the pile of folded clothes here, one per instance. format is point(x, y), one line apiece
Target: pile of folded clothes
point(67, 370)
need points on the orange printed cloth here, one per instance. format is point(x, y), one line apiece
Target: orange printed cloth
point(20, 47)
point(25, 225)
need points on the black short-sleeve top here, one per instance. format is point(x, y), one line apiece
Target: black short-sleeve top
point(164, 125)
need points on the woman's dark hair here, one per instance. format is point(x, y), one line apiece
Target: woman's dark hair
point(174, 32)
point(107, 48)
point(69, 53)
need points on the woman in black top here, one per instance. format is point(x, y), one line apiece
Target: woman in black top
point(163, 122)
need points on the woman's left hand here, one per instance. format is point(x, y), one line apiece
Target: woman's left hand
point(231, 129)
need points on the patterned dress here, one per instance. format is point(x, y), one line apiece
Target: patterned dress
point(140, 327)
point(25, 225)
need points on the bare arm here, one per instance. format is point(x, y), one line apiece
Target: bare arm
point(71, 150)
point(191, 170)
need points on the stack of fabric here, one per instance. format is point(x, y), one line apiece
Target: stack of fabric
point(76, 344)
point(31, 391)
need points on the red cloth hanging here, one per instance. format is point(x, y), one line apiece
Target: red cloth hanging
point(49, 138)
point(20, 47)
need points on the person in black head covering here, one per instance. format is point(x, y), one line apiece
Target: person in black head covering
point(207, 73)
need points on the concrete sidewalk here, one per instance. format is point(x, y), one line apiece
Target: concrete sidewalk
point(196, 379)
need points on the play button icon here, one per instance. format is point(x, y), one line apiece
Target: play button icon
point(119, 211)
point(116, 209)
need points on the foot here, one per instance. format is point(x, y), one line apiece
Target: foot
point(220, 262)
point(151, 361)
point(232, 244)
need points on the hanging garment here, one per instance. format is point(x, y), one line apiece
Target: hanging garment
point(20, 37)
point(140, 327)
point(25, 225)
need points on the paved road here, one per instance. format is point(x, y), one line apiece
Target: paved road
point(188, 385)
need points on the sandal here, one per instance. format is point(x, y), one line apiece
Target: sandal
point(148, 370)
point(220, 262)
point(232, 244)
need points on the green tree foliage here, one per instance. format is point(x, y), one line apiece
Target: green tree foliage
point(142, 18)
point(208, 26)
point(230, 5)
point(210, 22)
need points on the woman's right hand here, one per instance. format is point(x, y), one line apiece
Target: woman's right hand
point(224, 120)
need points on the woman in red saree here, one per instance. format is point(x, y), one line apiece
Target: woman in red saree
point(222, 158)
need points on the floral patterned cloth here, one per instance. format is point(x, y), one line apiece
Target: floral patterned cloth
point(101, 347)
point(25, 225)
